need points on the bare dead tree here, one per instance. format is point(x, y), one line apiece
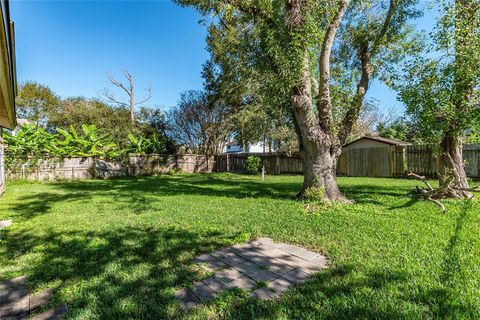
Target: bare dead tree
point(129, 89)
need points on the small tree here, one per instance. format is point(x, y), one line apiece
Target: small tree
point(198, 123)
point(253, 164)
point(441, 89)
point(35, 102)
point(76, 111)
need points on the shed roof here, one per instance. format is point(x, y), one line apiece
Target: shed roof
point(392, 142)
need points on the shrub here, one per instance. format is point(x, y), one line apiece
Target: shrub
point(31, 144)
point(143, 145)
point(253, 164)
point(314, 194)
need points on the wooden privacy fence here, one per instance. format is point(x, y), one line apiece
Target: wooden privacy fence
point(361, 162)
point(160, 163)
point(422, 160)
point(274, 163)
point(389, 161)
point(50, 169)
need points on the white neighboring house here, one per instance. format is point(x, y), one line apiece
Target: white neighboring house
point(235, 147)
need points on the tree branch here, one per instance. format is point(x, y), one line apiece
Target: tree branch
point(112, 98)
point(386, 25)
point(149, 95)
point(366, 55)
point(117, 83)
point(422, 178)
point(324, 103)
point(250, 9)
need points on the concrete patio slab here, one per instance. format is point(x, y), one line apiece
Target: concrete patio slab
point(262, 266)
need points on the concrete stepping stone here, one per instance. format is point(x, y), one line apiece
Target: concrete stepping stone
point(247, 267)
point(204, 258)
point(231, 258)
point(279, 285)
point(296, 276)
point(17, 308)
point(264, 294)
point(12, 282)
point(279, 268)
point(217, 285)
point(187, 299)
point(214, 265)
point(5, 223)
point(12, 294)
point(263, 275)
point(52, 314)
point(262, 266)
point(17, 303)
point(41, 299)
point(203, 292)
point(229, 274)
point(244, 283)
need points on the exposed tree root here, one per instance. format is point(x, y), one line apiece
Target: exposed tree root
point(447, 190)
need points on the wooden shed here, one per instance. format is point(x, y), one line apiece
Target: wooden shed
point(370, 156)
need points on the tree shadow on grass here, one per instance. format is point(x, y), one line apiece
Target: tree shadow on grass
point(372, 193)
point(407, 204)
point(196, 184)
point(444, 297)
point(29, 206)
point(330, 294)
point(115, 274)
point(132, 273)
point(135, 192)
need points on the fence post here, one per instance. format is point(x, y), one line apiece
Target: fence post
point(277, 164)
point(228, 162)
point(404, 160)
point(393, 161)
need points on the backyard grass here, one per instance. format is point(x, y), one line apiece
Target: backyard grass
point(118, 249)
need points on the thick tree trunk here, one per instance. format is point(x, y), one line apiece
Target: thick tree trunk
point(452, 170)
point(319, 149)
point(319, 172)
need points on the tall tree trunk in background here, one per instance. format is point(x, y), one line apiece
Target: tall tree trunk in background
point(452, 169)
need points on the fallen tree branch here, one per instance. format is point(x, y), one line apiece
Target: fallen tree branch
point(435, 194)
point(474, 189)
point(442, 207)
point(422, 178)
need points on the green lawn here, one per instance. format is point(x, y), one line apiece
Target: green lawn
point(117, 249)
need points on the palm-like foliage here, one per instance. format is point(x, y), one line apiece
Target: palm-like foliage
point(30, 144)
point(144, 145)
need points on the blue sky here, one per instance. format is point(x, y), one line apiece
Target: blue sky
point(71, 45)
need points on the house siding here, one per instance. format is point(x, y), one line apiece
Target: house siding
point(2, 168)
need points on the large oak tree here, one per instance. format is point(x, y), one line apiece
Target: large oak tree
point(300, 46)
